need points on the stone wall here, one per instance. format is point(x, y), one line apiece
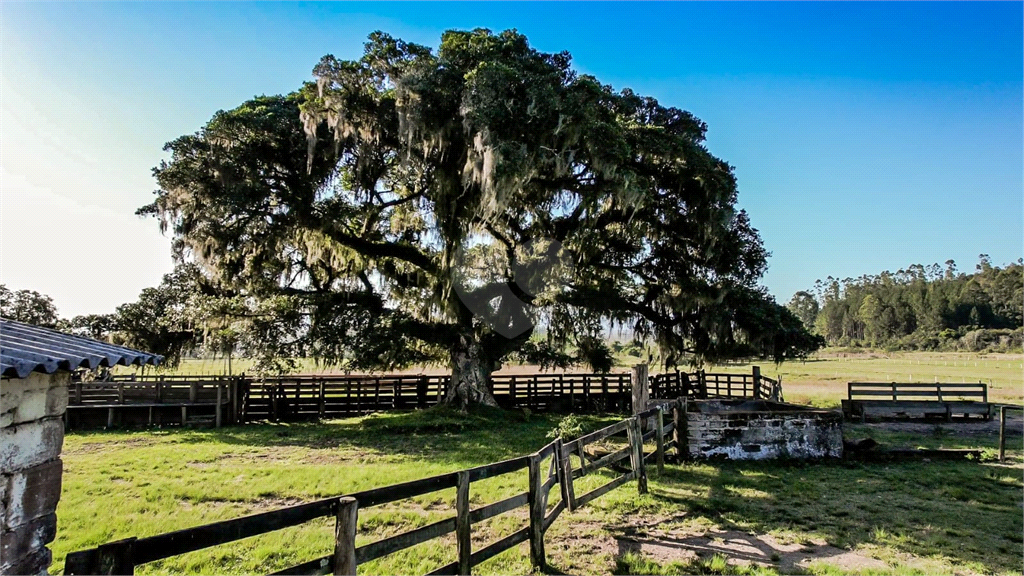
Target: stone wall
point(31, 436)
point(742, 435)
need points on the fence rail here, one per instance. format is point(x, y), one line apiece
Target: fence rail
point(122, 556)
point(298, 397)
point(212, 396)
point(716, 385)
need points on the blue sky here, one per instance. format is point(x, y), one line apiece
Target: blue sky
point(864, 136)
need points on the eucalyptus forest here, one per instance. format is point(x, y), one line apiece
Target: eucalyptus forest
point(920, 308)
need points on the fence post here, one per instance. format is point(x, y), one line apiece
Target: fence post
point(536, 501)
point(757, 381)
point(115, 557)
point(565, 475)
point(641, 388)
point(1002, 433)
point(679, 428)
point(218, 418)
point(421, 392)
point(660, 436)
point(462, 525)
point(636, 454)
point(345, 536)
point(233, 395)
point(193, 391)
point(323, 399)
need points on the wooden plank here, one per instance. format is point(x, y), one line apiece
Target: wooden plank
point(493, 549)
point(637, 460)
point(603, 433)
point(546, 451)
point(565, 475)
point(116, 557)
point(660, 439)
point(447, 569)
point(499, 507)
point(405, 540)
point(498, 468)
point(608, 459)
point(549, 484)
point(598, 492)
point(553, 515)
point(1002, 433)
point(81, 562)
point(345, 536)
point(536, 501)
point(873, 394)
point(647, 413)
point(463, 527)
point(199, 537)
point(679, 433)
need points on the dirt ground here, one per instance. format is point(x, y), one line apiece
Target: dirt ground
point(961, 428)
point(645, 536)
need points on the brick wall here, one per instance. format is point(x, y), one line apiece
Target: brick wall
point(764, 435)
point(31, 436)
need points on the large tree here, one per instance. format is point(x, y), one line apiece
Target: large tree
point(469, 204)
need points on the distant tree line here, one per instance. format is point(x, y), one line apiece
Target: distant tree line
point(920, 308)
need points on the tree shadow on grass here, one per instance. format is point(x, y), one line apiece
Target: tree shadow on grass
point(967, 512)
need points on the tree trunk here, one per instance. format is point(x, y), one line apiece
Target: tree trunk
point(471, 373)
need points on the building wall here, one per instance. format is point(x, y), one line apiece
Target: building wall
point(758, 436)
point(31, 436)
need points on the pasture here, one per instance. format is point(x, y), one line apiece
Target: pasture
point(827, 518)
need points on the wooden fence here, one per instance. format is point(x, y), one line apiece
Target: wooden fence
point(302, 397)
point(716, 385)
point(212, 397)
point(122, 556)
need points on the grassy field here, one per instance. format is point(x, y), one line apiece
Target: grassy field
point(820, 380)
point(826, 518)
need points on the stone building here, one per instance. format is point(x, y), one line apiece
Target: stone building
point(35, 371)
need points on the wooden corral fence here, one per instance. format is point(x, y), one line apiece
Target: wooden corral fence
point(894, 399)
point(551, 466)
point(333, 395)
point(1003, 409)
point(704, 385)
point(156, 400)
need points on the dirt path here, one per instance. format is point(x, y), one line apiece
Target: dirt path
point(964, 428)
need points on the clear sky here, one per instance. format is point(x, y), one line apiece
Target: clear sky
point(865, 136)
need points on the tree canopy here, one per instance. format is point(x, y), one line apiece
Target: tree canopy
point(467, 204)
point(28, 306)
point(920, 307)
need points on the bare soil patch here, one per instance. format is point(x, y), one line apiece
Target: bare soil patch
point(962, 429)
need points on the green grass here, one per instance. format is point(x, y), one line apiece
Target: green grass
point(821, 380)
point(939, 517)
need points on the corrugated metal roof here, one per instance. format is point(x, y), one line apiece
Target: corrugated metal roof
point(25, 348)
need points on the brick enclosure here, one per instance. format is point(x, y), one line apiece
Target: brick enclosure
point(758, 429)
point(31, 436)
